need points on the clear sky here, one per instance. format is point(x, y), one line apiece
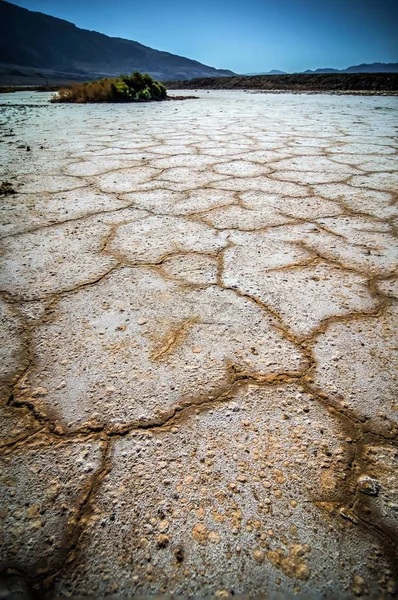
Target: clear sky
point(245, 35)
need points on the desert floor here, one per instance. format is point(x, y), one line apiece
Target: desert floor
point(199, 359)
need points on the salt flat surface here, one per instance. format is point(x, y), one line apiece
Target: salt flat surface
point(199, 359)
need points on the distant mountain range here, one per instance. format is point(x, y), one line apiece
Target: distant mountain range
point(364, 68)
point(273, 72)
point(35, 46)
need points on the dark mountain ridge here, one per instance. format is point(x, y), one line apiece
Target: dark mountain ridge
point(35, 45)
point(363, 68)
point(272, 72)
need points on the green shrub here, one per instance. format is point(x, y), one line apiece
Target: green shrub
point(159, 90)
point(126, 88)
point(145, 94)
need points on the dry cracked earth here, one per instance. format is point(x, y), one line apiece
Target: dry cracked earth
point(199, 359)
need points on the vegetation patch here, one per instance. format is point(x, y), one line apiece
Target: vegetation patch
point(6, 189)
point(137, 87)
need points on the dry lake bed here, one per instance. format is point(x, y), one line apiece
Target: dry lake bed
point(199, 347)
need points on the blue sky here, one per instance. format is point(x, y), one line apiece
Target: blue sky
point(245, 35)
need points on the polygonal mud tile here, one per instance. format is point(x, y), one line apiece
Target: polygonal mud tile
point(174, 202)
point(241, 168)
point(300, 164)
point(183, 160)
point(239, 217)
point(53, 259)
point(377, 181)
point(373, 202)
point(263, 184)
point(99, 166)
point(15, 423)
point(357, 243)
point(231, 500)
point(369, 163)
point(357, 363)
point(171, 149)
point(124, 181)
point(25, 212)
point(265, 156)
point(149, 240)
point(302, 295)
point(29, 184)
point(361, 149)
point(223, 150)
point(192, 268)
point(135, 347)
point(31, 168)
point(43, 488)
point(257, 252)
point(258, 210)
point(189, 178)
point(311, 177)
point(300, 207)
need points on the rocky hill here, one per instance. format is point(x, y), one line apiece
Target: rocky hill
point(300, 82)
point(35, 46)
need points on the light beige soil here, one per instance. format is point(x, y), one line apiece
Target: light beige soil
point(199, 349)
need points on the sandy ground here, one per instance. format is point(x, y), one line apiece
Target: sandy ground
point(199, 355)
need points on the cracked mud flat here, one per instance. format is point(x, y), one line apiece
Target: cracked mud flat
point(199, 361)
